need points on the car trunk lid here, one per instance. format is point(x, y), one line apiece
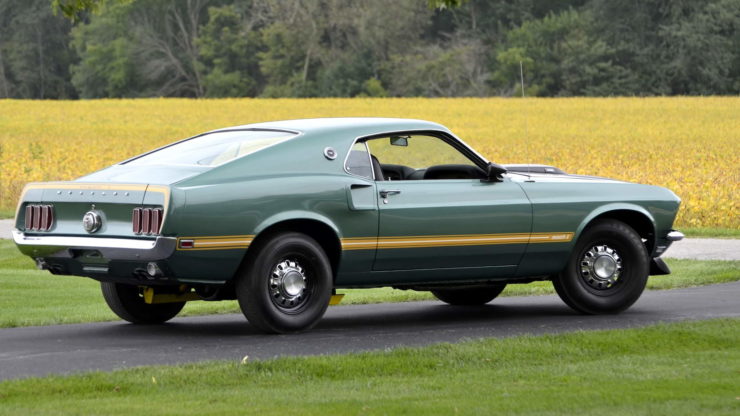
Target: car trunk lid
point(112, 203)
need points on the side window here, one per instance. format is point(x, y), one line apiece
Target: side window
point(358, 161)
point(415, 157)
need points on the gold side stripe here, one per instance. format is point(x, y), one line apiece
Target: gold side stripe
point(217, 242)
point(216, 237)
point(457, 236)
point(214, 248)
point(87, 186)
point(551, 238)
point(199, 244)
point(364, 243)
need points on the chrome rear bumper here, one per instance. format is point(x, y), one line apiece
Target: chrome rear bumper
point(109, 248)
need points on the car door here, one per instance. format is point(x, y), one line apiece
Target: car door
point(441, 212)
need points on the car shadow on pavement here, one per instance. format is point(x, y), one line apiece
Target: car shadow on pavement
point(364, 319)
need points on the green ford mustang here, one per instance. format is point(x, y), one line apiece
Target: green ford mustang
point(279, 215)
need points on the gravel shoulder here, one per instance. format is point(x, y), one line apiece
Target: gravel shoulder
point(705, 249)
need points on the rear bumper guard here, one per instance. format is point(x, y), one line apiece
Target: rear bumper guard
point(109, 248)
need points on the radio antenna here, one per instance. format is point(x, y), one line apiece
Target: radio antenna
point(526, 127)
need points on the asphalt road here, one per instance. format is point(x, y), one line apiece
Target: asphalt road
point(36, 351)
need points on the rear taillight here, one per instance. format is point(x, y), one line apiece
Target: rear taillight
point(39, 217)
point(146, 220)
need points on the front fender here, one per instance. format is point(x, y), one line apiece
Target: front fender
point(615, 208)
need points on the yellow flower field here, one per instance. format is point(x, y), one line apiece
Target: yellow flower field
point(690, 145)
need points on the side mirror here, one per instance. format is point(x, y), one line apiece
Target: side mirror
point(494, 172)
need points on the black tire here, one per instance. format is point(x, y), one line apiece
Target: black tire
point(126, 302)
point(468, 296)
point(269, 288)
point(587, 285)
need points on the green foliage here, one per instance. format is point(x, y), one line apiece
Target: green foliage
point(107, 67)
point(285, 62)
point(34, 51)
point(73, 9)
point(228, 54)
point(560, 55)
point(709, 232)
point(678, 47)
point(441, 4)
point(307, 48)
point(372, 87)
point(452, 69)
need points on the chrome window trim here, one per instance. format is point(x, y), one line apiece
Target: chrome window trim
point(451, 135)
point(370, 159)
point(224, 130)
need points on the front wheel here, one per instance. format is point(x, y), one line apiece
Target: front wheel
point(286, 284)
point(607, 271)
point(127, 302)
point(467, 296)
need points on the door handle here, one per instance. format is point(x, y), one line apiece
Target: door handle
point(385, 192)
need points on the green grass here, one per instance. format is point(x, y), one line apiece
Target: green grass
point(31, 297)
point(708, 232)
point(6, 214)
point(668, 369)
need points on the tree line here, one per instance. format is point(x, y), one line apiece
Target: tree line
point(350, 48)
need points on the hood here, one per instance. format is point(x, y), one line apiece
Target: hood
point(560, 177)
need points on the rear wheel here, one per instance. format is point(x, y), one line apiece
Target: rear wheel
point(286, 284)
point(607, 270)
point(127, 302)
point(469, 296)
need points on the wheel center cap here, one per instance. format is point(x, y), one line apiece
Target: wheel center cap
point(605, 266)
point(293, 283)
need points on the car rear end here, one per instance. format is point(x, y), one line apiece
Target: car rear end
point(106, 231)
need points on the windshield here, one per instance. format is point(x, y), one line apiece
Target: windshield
point(214, 148)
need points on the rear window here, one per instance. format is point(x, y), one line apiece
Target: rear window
point(214, 148)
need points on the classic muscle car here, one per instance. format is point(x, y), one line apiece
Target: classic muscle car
point(280, 215)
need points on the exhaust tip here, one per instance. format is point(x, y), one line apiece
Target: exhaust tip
point(153, 269)
point(41, 264)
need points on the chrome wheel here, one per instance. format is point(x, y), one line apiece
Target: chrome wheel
point(607, 270)
point(601, 267)
point(288, 285)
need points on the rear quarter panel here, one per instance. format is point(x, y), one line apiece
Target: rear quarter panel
point(248, 196)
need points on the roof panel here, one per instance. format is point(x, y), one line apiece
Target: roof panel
point(363, 125)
